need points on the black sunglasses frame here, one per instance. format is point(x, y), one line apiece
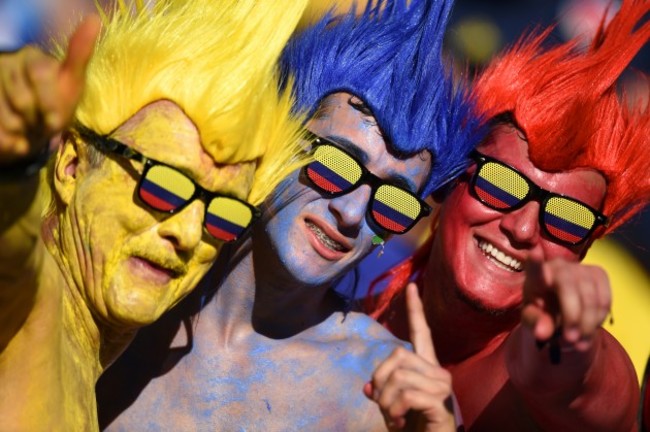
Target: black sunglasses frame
point(112, 146)
point(536, 193)
point(366, 178)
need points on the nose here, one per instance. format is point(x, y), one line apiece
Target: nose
point(185, 228)
point(350, 209)
point(522, 225)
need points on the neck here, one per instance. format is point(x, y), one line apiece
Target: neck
point(258, 295)
point(55, 361)
point(80, 332)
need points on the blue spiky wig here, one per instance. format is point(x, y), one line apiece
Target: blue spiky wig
point(390, 56)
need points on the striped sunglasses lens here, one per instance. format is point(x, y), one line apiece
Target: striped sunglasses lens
point(395, 209)
point(164, 188)
point(333, 171)
point(499, 186)
point(568, 220)
point(227, 218)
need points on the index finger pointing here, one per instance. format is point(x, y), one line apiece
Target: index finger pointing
point(418, 327)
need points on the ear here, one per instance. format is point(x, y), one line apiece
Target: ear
point(66, 168)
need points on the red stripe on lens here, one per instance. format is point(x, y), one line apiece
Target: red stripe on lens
point(387, 223)
point(491, 199)
point(322, 182)
point(220, 234)
point(563, 235)
point(154, 201)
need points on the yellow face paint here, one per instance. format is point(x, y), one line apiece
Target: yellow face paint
point(135, 263)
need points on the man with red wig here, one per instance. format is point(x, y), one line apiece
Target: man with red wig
point(515, 317)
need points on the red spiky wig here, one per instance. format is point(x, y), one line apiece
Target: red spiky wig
point(566, 103)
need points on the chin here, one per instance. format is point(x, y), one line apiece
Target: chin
point(134, 314)
point(487, 302)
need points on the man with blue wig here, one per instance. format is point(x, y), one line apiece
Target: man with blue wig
point(273, 347)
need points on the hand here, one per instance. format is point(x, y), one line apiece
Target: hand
point(415, 381)
point(573, 297)
point(38, 94)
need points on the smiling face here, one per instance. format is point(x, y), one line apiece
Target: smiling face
point(133, 263)
point(482, 251)
point(317, 238)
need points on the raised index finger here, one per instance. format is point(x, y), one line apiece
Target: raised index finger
point(418, 327)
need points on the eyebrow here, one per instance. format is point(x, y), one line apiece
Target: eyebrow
point(396, 179)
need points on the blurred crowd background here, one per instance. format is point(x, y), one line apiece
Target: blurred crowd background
point(478, 30)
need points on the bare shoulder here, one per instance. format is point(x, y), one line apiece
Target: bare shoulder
point(362, 340)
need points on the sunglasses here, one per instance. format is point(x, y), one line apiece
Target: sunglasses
point(335, 172)
point(166, 189)
point(501, 187)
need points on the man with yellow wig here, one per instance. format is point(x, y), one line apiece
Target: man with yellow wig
point(177, 120)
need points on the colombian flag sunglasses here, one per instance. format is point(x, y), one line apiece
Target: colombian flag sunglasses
point(501, 187)
point(166, 189)
point(335, 172)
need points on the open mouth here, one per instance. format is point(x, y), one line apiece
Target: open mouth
point(326, 240)
point(500, 258)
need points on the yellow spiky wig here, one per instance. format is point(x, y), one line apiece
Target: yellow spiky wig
point(217, 61)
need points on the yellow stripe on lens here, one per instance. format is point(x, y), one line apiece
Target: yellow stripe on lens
point(171, 180)
point(231, 210)
point(399, 200)
point(571, 211)
point(339, 162)
point(505, 179)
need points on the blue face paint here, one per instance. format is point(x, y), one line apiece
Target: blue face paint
point(317, 238)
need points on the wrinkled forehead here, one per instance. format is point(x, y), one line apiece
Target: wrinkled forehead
point(163, 131)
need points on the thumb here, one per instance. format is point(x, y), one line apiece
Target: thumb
point(72, 74)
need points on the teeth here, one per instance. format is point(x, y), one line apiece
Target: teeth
point(505, 261)
point(325, 239)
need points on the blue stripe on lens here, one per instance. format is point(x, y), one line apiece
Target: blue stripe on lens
point(330, 175)
point(565, 225)
point(162, 193)
point(497, 192)
point(223, 224)
point(391, 213)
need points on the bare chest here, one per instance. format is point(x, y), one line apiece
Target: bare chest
point(260, 386)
